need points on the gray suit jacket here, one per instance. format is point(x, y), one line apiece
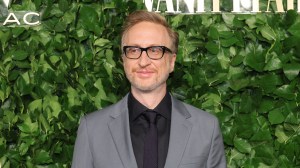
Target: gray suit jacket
point(103, 139)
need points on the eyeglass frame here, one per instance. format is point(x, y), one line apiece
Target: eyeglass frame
point(164, 49)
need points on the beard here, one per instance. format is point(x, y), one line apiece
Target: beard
point(147, 85)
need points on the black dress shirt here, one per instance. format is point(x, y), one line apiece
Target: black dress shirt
point(139, 125)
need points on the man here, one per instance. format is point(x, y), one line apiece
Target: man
point(148, 127)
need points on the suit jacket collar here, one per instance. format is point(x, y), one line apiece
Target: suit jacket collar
point(179, 133)
point(120, 131)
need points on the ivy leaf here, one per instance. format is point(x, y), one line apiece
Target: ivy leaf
point(4, 91)
point(42, 157)
point(23, 84)
point(242, 145)
point(101, 42)
point(212, 47)
point(51, 106)
point(269, 82)
point(81, 34)
point(291, 70)
point(295, 29)
point(226, 34)
point(213, 33)
point(28, 126)
point(224, 60)
point(245, 125)
point(73, 97)
point(18, 31)
point(63, 5)
point(35, 105)
point(19, 55)
point(284, 162)
point(255, 57)
point(265, 105)
point(238, 59)
point(238, 84)
point(211, 101)
point(44, 122)
point(291, 118)
point(88, 18)
point(262, 135)
point(189, 78)
point(267, 32)
point(5, 36)
point(286, 91)
point(23, 148)
point(9, 117)
point(235, 155)
point(265, 153)
point(228, 18)
point(177, 20)
point(273, 63)
point(251, 22)
point(229, 42)
point(235, 73)
point(276, 116)
point(280, 134)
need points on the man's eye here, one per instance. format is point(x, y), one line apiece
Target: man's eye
point(155, 49)
point(133, 50)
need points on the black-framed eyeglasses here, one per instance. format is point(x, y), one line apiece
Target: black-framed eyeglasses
point(153, 52)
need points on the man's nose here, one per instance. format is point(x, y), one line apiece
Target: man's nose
point(144, 60)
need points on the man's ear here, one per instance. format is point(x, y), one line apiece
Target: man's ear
point(172, 62)
point(122, 58)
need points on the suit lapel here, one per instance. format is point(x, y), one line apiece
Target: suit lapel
point(179, 134)
point(180, 131)
point(120, 131)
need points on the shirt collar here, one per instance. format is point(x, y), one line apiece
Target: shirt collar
point(136, 108)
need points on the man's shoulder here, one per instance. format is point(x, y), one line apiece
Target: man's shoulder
point(107, 112)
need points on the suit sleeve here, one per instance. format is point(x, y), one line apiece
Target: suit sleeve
point(82, 156)
point(216, 158)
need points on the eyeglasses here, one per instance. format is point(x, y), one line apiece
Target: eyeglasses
point(153, 52)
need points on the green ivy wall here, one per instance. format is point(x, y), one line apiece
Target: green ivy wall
point(243, 68)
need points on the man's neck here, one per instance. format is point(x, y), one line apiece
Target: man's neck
point(149, 99)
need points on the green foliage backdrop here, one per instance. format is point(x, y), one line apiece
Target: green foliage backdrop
point(242, 68)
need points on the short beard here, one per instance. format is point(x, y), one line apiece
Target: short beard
point(147, 89)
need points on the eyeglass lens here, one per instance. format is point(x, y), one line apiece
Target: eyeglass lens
point(154, 52)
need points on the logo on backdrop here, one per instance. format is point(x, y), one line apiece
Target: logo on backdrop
point(6, 2)
point(214, 6)
point(17, 18)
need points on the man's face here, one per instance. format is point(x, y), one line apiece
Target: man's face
point(145, 74)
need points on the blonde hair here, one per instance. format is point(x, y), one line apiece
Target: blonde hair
point(145, 16)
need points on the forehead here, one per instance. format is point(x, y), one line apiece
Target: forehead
point(145, 34)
